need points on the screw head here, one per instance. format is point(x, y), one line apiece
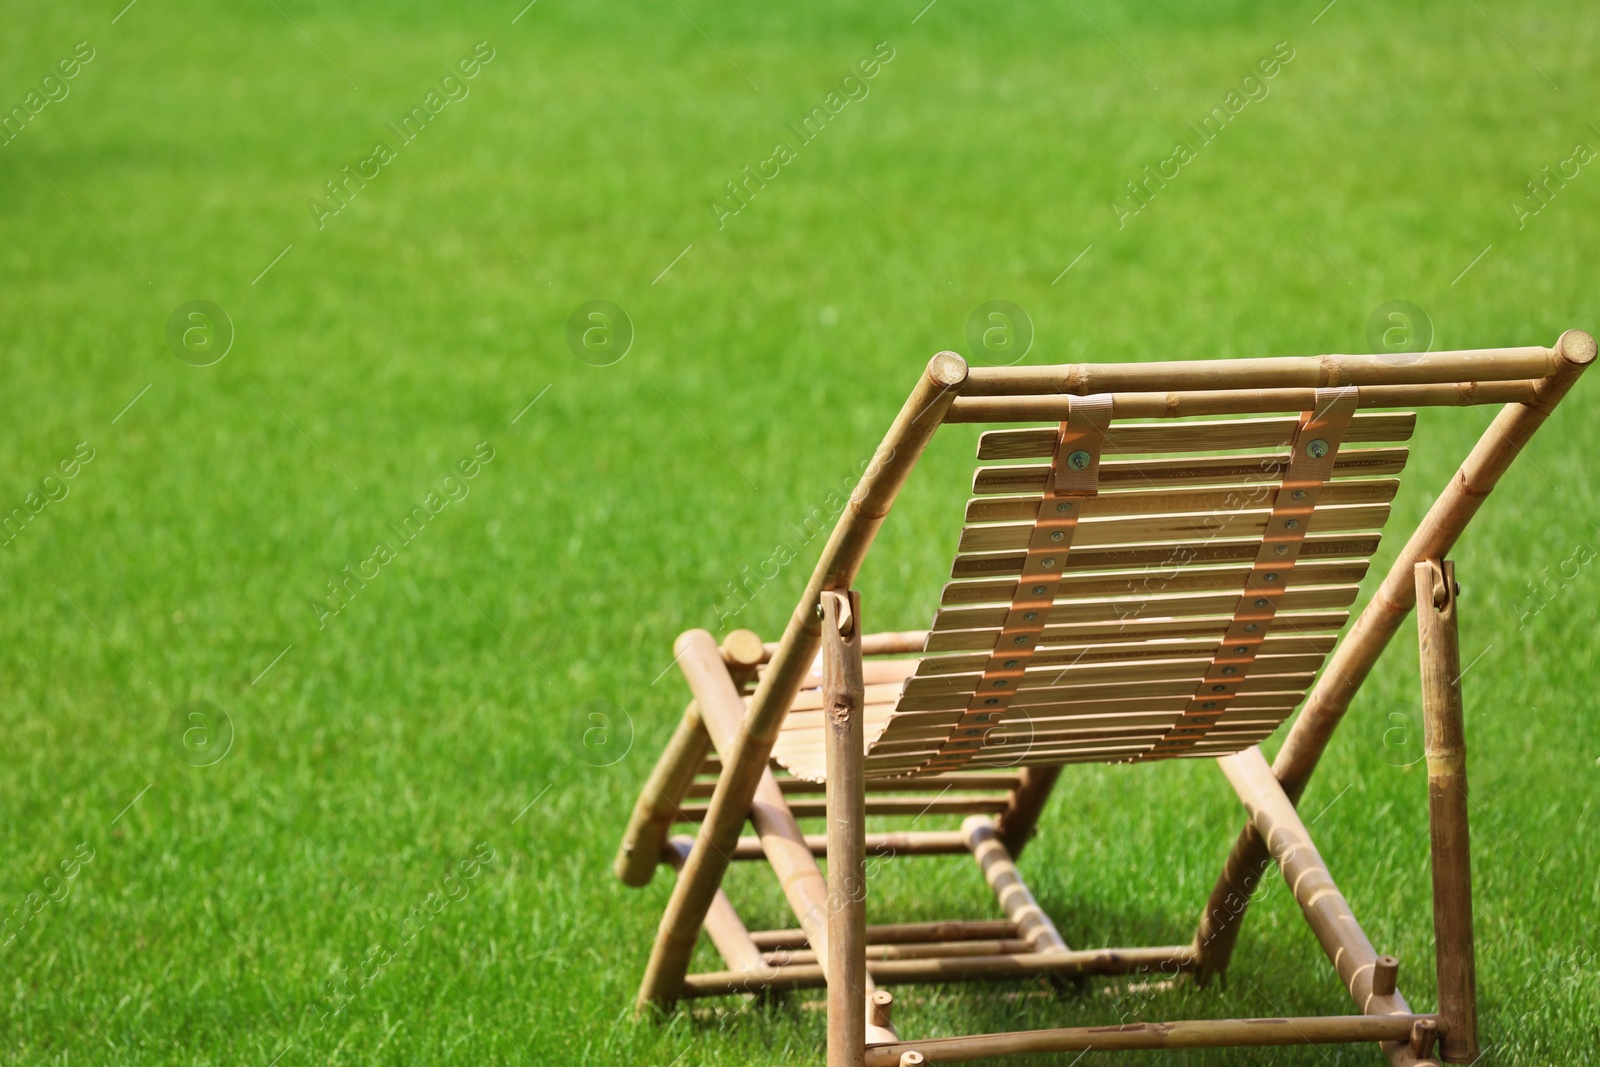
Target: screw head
point(1317, 448)
point(1240, 650)
point(1058, 535)
point(1251, 627)
point(1230, 670)
point(1270, 576)
point(1009, 664)
point(1040, 590)
point(1282, 550)
point(1219, 689)
point(1019, 640)
point(1048, 562)
point(1298, 494)
point(991, 702)
point(1078, 460)
point(1029, 616)
point(1291, 524)
point(1208, 705)
point(1000, 683)
point(1262, 602)
point(1063, 507)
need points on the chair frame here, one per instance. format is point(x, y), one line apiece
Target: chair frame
point(1529, 381)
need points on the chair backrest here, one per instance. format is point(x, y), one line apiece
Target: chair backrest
point(1154, 576)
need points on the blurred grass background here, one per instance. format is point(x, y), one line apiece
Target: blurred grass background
point(229, 909)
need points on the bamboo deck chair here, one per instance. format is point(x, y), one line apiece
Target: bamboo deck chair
point(1152, 577)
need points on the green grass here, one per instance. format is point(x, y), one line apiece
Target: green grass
point(444, 709)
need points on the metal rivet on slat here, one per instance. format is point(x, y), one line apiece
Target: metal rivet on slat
point(1298, 494)
point(1262, 602)
point(1317, 448)
point(1270, 576)
point(1282, 550)
point(1022, 640)
point(999, 683)
point(1291, 524)
point(1251, 627)
point(1029, 616)
point(1047, 562)
point(991, 702)
point(1040, 590)
point(1219, 689)
point(1241, 649)
point(1010, 663)
point(1080, 459)
point(1208, 705)
point(1063, 507)
point(1230, 670)
point(1058, 535)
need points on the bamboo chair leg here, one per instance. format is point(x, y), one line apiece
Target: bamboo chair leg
point(1378, 622)
point(745, 757)
point(1024, 806)
point(844, 697)
point(1009, 888)
point(1446, 750)
point(728, 932)
point(1325, 909)
point(658, 802)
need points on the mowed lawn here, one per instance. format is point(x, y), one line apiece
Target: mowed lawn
point(331, 671)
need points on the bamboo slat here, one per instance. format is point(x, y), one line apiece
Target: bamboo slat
point(1120, 557)
point(1189, 472)
point(1137, 529)
point(1213, 436)
point(1300, 597)
point(1131, 629)
point(1160, 502)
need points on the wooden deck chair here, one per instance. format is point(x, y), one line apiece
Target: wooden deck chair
point(1159, 574)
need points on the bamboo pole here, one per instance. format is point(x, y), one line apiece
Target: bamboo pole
point(781, 840)
point(1009, 888)
point(878, 805)
point(899, 933)
point(931, 783)
point(745, 760)
point(743, 652)
point(957, 968)
point(727, 931)
point(1192, 1033)
point(921, 951)
point(1024, 805)
point(673, 776)
point(1177, 405)
point(879, 845)
point(1325, 909)
point(1288, 372)
point(657, 807)
point(1445, 745)
point(843, 694)
point(1352, 660)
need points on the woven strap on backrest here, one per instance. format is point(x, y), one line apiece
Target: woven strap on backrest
point(1312, 455)
point(1074, 475)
